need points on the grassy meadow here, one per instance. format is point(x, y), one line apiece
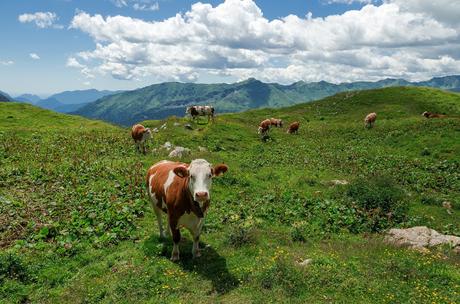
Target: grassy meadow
point(76, 225)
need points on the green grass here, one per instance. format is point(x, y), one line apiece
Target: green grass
point(76, 226)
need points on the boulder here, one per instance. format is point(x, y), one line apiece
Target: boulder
point(421, 237)
point(176, 124)
point(202, 149)
point(179, 152)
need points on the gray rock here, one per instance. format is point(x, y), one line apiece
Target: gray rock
point(420, 237)
point(179, 152)
point(188, 126)
point(176, 124)
point(202, 149)
point(168, 146)
point(305, 262)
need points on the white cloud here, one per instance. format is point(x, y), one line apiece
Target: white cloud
point(146, 7)
point(34, 56)
point(234, 38)
point(138, 5)
point(41, 19)
point(349, 1)
point(6, 62)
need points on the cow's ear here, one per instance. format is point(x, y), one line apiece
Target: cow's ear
point(181, 171)
point(219, 169)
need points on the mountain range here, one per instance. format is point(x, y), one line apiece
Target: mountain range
point(67, 101)
point(171, 98)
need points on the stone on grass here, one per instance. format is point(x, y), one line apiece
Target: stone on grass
point(421, 237)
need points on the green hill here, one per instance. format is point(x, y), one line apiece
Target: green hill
point(162, 100)
point(76, 226)
point(25, 117)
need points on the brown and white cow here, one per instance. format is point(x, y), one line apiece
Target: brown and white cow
point(276, 122)
point(264, 127)
point(140, 134)
point(433, 115)
point(182, 191)
point(369, 121)
point(293, 127)
point(195, 111)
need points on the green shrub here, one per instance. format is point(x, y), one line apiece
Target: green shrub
point(12, 267)
point(379, 202)
point(241, 234)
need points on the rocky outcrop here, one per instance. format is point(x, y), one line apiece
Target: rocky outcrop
point(421, 237)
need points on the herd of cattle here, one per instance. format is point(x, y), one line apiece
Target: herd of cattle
point(182, 191)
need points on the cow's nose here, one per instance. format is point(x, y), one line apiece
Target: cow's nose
point(202, 194)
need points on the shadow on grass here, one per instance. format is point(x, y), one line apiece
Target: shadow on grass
point(211, 266)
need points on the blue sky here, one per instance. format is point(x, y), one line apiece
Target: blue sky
point(54, 45)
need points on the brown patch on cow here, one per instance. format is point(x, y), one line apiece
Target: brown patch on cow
point(137, 132)
point(293, 127)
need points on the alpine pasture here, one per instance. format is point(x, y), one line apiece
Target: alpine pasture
point(76, 225)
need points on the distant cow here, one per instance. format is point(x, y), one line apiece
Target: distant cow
point(293, 127)
point(140, 134)
point(195, 111)
point(182, 192)
point(276, 122)
point(264, 127)
point(369, 121)
point(433, 115)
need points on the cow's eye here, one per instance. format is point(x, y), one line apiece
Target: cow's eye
point(192, 177)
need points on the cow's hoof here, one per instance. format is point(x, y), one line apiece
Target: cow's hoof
point(197, 254)
point(175, 257)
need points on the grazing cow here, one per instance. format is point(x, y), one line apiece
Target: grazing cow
point(182, 191)
point(369, 121)
point(276, 122)
point(140, 134)
point(433, 115)
point(264, 127)
point(195, 111)
point(293, 127)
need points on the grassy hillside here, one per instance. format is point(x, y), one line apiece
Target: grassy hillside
point(162, 100)
point(76, 226)
point(28, 118)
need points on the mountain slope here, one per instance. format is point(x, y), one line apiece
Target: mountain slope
point(4, 97)
point(165, 99)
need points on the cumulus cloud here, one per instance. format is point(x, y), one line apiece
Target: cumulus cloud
point(41, 19)
point(394, 39)
point(34, 56)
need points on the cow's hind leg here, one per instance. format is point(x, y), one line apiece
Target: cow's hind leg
point(176, 239)
point(196, 242)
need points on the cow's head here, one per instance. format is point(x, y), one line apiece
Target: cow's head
point(188, 110)
point(200, 174)
point(147, 133)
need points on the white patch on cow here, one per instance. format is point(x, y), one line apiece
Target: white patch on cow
point(200, 179)
point(169, 181)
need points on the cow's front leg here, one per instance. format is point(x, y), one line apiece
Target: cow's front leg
point(196, 252)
